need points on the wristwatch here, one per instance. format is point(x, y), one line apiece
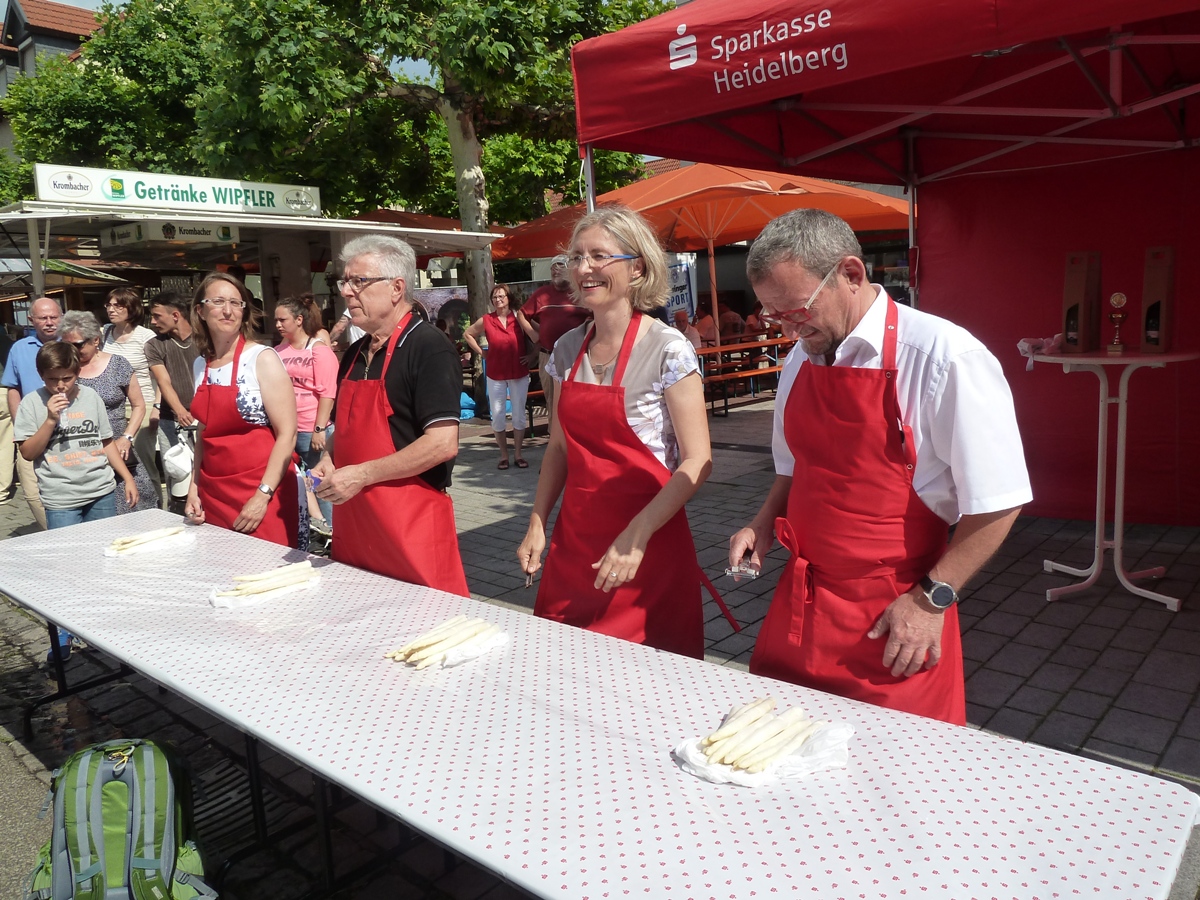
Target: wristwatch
point(263, 489)
point(128, 437)
point(319, 429)
point(938, 593)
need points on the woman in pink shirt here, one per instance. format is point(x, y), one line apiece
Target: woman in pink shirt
point(313, 369)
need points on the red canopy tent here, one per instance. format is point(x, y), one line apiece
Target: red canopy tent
point(1029, 129)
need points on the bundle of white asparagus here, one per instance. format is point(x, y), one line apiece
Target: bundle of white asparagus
point(459, 634)
point(138, 541)
point(752, 738)
point(272, 583)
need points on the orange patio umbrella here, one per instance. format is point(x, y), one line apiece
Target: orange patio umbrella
point(703, 206)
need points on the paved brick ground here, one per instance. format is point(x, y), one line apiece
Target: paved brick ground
point(1100, 673)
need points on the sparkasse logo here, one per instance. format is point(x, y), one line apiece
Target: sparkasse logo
point(683, 49)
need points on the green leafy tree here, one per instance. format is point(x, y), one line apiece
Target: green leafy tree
point(125, 102)
point(286, 73)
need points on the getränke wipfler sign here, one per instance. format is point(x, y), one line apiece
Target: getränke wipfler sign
point(182, 193)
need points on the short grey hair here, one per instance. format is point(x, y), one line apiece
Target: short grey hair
point(812, 238)
point(81, 322)
point(394, 257)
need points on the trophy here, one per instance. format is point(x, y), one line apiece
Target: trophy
point(1117, 316)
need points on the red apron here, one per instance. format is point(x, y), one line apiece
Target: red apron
point(611, 477)
point(233, 461)
point(405, 528)
point(859, 537)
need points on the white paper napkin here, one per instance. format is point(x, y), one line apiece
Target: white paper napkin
point(456, 656)
point(829, 748)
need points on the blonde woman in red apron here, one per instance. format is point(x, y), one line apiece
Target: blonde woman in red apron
point(622, 561)
point(244, 479)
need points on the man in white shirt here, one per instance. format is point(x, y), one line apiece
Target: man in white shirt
point(687, 328)
point(890, 426)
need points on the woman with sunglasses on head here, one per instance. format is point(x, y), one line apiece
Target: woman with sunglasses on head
point(313, 371)
point(507, 373)
point(628, 448)
point(246, 415)
point(126, 336)
point(111, 377)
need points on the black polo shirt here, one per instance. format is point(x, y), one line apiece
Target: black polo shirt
point(423, 383)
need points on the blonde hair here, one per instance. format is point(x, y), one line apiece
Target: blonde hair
point(633, 234)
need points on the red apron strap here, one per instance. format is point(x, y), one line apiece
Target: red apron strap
point(889, 336)
point(627, 343)
point(721, 603)
point(391, 346)
point(237, 356)
point(631, 331)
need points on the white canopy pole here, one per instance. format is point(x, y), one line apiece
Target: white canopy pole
point(589, 176)
point(35, 258)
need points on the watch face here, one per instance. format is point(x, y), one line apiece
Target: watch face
point(942, 596)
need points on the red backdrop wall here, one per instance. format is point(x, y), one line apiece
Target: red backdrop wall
point(993, 254)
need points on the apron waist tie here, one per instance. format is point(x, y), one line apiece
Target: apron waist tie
point(721, 603)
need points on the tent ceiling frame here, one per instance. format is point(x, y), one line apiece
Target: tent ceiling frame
point(1118, 47)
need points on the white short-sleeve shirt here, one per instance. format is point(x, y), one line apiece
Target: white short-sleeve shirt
point(952, 394)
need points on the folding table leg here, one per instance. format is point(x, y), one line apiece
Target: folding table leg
point(65, 690)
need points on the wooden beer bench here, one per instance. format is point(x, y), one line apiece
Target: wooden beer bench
point(745, 362)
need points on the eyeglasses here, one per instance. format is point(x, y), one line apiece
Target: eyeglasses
point(598, 260)
point(79, 345)
point(114, 304)
point(358, 282)
point(224, 303)
point(789, 316)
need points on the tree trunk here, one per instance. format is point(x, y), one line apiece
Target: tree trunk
point(467, 153)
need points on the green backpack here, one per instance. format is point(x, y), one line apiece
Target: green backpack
point(122, 829)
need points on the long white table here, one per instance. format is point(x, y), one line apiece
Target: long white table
point(548, 762)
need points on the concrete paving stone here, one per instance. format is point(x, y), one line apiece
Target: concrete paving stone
point(1121, 660)
point(1002, 623)
point(1037, 634)
point(970, 667)
point(1033, 700)
point(1179, 641)
point(1026, 567)
point(995, 593)
point(1023, 603)
point(1085, 703)
point(1154, 701)
point(1079, 657)
point(1108, 616)
point(1055, 677)
point(1045, 581)
point(978, 715)
point(981, 645)
point(1009, 579)
point(734, 644)
point(1109, 682)
point(1165, 668)
point(1182, 757)
point(1118, 755)
point(1019, 659)
point(1063, 731)
point(1140, 640)
point(1063, 613)
point(1013, 723)
point(1190, 726)
point(1135, 729)
point(1094, 637)
point(989, 687)
point(1155, 618)
point(132, 712)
